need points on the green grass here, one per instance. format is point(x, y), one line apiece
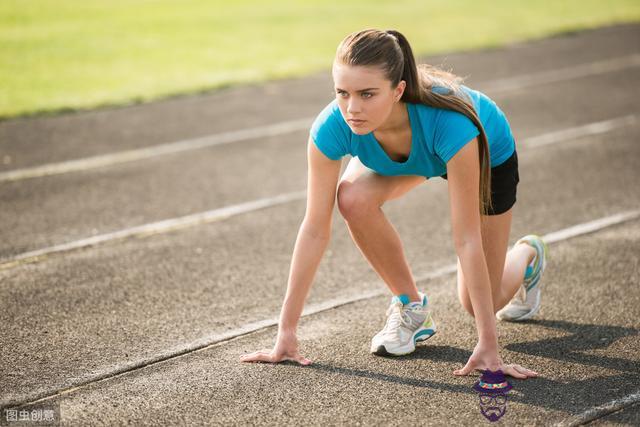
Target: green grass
point(74, 54)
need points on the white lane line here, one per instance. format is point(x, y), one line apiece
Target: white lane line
point(155, 227)
point(590, 227)
point(495, 87)
point(228, 211)
point(567, 73)
point(601, 411)
point(595, 128)
point(556, 236)
point(156, 150)
point(216, 339)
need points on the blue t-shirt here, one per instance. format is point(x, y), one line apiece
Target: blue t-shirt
point(436, 135)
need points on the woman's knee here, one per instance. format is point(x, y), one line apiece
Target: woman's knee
point(352, 201)
point(463, 294)
point(465, 301)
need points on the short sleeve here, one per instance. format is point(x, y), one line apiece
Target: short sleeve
point(453, 131)
point(329, 133)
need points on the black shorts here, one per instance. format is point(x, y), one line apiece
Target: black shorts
point(504, 180)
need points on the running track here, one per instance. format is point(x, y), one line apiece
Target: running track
point(145, 248)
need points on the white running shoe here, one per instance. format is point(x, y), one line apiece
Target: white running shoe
point(407, 323)
point(526, 302)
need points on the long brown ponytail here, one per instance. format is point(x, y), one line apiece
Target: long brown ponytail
point(391, 51)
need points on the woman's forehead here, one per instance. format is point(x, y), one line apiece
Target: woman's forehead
point(357, 77)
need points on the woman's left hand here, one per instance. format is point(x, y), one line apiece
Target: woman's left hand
point(485, 356)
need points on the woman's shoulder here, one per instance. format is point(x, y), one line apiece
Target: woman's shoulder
point(479, 98)
point(441, 124)
point(330, 131)
point(480, 101)
point(330, 116)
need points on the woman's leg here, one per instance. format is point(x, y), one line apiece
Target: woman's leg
point(361, 193)
point(506, 269)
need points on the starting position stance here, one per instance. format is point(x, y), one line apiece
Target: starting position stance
point(404, 124)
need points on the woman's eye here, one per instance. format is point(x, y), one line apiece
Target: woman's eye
point(364, 94)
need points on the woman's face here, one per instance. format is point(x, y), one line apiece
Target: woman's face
point(363, 93)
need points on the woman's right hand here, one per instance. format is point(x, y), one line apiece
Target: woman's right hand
point(286, 349)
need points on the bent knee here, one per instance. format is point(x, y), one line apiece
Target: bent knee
point(465, 300)
point(352, 202)
point(466, 303)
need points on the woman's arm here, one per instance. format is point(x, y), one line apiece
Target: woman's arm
point(314, 234)
point(463, 173)
point(312, 240)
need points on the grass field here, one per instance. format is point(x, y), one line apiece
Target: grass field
point(58, 55)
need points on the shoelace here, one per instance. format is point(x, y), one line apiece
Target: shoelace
point(397, 317)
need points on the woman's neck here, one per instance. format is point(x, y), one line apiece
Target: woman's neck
point(397, 122)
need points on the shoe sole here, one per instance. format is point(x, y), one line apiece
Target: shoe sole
point(382, 350)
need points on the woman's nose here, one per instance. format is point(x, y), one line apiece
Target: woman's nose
point(353, 107)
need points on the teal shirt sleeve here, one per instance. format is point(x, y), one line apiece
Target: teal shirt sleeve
point(329, 133)
point(453, 131)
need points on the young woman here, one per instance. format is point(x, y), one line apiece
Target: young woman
point(403, 124)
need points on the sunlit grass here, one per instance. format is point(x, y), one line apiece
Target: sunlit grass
point(70, 54)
